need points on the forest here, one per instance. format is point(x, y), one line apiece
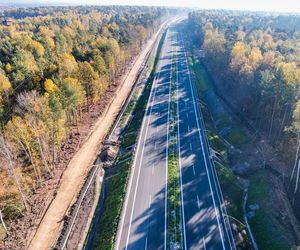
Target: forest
point(56, 62)
point(252, 60)
point(256, 58)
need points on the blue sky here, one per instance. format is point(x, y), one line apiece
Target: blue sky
point(265, 5)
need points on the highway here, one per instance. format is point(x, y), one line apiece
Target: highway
point(143, 223)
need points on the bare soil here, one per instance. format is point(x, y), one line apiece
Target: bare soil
point(39, 228)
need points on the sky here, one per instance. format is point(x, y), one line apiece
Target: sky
point(261, 5)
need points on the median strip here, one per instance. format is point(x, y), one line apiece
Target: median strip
point(174, 221)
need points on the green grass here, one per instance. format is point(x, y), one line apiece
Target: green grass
point(231, 190)
point(174, 228)
point(108, 223)
point(202, 79)
point(236, 137)
point(116, 184)
point(267, 230)
point(217, 144)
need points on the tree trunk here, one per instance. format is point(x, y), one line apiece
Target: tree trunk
point(297, 178)
point(272, 118)
point(43, 157)
point(281, 127)
point(11, 170)
point(2, 221)
point(296, 158)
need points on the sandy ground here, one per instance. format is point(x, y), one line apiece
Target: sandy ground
point(77, 169)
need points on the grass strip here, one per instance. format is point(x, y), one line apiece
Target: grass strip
point(116, 183)
point(174, 222)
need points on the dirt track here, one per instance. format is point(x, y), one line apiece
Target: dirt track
point(75, 173)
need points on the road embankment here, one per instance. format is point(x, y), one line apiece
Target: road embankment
point(79, 166)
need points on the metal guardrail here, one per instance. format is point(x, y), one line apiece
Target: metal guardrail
point(61, 242)
point(65, 236)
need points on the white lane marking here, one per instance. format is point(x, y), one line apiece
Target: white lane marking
point(146, 243)
point(204, 244)
point(133, 166)
point(216, 180)
point(198, 202)
point(179, 154)
point(205, 162)
point(194, 172)
point(191, 148)
point(150, 200)
point(167, 154)
point(143, 149)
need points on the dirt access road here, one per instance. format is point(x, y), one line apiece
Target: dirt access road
point(77, 169)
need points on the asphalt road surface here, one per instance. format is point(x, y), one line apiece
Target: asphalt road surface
point(143, 223)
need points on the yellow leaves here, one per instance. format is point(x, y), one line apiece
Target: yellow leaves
point(114, 26)
point(69, 31)
point(255, 56)
point(8, 68)
point(52, 68)
point(67, 65)
point(75, 85)
point(4, 82)
point(50, 86)
point(214, 42)
point(45, 31)
point(238, 49)
point(290, 72)
point(77, 25)
point(244, 62)
point(37, 48)
point(50, 42)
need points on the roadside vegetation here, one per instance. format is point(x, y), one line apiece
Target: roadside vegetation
point(254, 60)
point(268, 229)
point(217, 119)
point(55, 64)
point(247, 72)
point(174, 216)
point(117, 180)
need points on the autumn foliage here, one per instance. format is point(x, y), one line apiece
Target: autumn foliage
point(53, 63)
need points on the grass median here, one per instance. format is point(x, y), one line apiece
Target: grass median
point(174, 219)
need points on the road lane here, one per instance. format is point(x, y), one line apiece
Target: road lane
point(144, 220)
point(202, 221)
